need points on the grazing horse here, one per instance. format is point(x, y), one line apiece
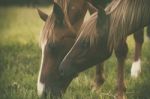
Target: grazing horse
point(57, 37)
point(56, 40)
point(138, 37)
point(107, 32)
point(91, 47)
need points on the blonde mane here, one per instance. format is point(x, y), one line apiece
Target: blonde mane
point(88, 29)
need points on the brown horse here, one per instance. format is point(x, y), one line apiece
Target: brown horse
point(56, 40)
point(92, 47)
point(57, 37)
point(138, 37)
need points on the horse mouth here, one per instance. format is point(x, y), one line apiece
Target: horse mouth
point(53, 93)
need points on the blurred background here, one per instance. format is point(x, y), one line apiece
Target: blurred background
point(25, 2)
point(20, 27)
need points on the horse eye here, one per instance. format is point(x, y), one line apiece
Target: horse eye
point(51, 45)
point(54, 48)
point(84, 44)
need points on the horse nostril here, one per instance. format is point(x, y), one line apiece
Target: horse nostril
point(61, 71)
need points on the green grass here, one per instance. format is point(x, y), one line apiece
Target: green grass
point(20, 60)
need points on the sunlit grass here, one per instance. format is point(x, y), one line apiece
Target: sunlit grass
point(20, 60)
point(20, 24)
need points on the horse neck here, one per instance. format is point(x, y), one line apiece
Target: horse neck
point(99, 3)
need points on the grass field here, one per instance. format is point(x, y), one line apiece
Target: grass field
point(20, 61)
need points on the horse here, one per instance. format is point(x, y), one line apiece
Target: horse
point(57, 37)
point(138, 37)
point(95, 45)
point(91, 48)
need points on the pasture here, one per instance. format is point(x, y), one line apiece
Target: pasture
point(20, 60)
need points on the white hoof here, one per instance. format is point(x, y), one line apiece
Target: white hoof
point(147, 38)
point(136, 69)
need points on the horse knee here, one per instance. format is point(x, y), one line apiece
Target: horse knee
point(121, 51)
point(99, 77)
point(139, 36)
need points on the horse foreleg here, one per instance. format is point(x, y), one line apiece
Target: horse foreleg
point(121, 53)
point(136, 65)
point(99, 77)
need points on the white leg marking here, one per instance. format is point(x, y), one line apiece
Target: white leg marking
point(40, 85)
point(136, 69)
point(148, 38)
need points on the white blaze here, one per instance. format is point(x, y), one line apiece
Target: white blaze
point(40, 85)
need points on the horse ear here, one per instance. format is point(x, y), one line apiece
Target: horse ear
point(91, 8)
point(42, 15)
